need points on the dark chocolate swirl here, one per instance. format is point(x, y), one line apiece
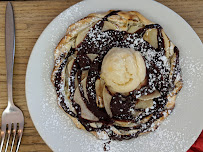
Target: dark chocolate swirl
point(99, 42)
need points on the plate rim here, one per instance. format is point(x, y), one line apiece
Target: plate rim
point(49, 25)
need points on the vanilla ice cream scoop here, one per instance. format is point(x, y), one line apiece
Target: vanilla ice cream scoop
point(123, 69)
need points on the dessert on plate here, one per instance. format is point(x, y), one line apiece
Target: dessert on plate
point(116, 74)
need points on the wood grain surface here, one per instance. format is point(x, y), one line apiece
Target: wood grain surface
point(31, 18)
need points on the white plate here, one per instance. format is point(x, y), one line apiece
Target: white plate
point(177, 133)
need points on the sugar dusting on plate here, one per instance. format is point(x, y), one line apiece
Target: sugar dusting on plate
point(57, 118)
point(61, 124)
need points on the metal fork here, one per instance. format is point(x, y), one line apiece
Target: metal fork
point(12, 117)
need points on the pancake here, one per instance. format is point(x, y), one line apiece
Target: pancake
point(116, 74)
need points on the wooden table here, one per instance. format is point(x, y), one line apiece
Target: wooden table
point(31, 18)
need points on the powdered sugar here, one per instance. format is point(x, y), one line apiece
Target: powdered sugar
point(191, 68)
point(169, 137)
point(57, 119)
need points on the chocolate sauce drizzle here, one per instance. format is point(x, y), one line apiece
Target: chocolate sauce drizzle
point(100, 42)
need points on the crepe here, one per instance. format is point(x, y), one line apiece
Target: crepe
point(116, 74)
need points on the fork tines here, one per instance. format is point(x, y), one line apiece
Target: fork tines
point(11, 135)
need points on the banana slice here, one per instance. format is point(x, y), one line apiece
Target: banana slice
point(109, 26)
point(153, 95)
point(125, 124)
point(96, 124)
point(83, 82)
point(92, 56)
point(151, 37)
point(85, 112)
point(166, 44)
point(146, 119)
point(99, 85)
point(133, 29)
point(84, 74)
point(107, 100)
point(81, 36)
point(69, 67)
point(143, 104)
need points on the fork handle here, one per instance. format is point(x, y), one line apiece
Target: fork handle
point(9, 49)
